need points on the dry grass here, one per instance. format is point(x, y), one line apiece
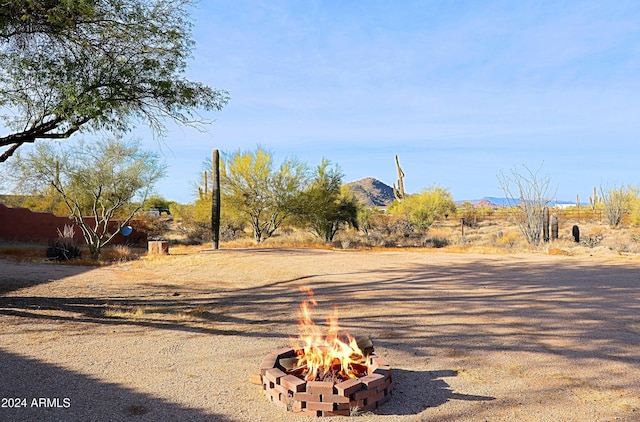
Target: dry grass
point(490, 236)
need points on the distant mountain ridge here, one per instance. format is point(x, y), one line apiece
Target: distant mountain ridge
point(495, 202)
point(372, 192)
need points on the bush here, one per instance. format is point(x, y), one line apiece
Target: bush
point(63, 250)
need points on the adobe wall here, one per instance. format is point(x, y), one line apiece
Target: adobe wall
point(21, 224)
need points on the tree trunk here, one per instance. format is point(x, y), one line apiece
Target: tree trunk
point(215, 198)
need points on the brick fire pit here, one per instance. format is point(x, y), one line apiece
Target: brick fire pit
point(324, 398)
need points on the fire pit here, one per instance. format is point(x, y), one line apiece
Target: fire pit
point(332, 375)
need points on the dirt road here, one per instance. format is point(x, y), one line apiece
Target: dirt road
point(470, 337)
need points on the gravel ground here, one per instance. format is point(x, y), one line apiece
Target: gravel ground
point(470, 337)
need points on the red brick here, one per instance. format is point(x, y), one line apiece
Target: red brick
point(274, 375)
point(306, 397)
point(370, 406)
point(384, 399)
point(343, 406)
point(297, 406)
point(365, 394)
point(384, 386)
point(309, 412)
point(282, 389)
point(346, 388)
point(335, 398)
point(320, 387)
point(359, 404)
point(285, 352)
point(373, 380)
point(386, 373)
point(378, 361)
point(337, 413)
point(293, 383)
point(312, 405)
point(268, 362)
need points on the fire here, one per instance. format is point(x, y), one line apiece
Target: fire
point(335, 356)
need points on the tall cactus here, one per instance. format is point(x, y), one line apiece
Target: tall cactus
point(215, 198)
point(554, 227)
point(399, 191)
point(594, 200)
point(545, 224)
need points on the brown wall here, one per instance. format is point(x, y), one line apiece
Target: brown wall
point(21, 224)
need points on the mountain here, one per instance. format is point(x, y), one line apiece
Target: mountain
point(494, 202)
point(372, 192)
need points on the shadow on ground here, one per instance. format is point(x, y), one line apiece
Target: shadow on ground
point(46, 392)
point(415, 391)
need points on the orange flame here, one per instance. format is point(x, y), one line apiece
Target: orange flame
point(333, 356)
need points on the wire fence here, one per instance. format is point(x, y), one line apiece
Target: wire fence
point(566, 214)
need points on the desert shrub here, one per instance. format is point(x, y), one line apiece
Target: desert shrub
point(591, 241)
point(119, 253)
point(470, 214)
point(153, 226)
point(436, 242)
point(508, 239)
point(64, 248)
point(402, 227)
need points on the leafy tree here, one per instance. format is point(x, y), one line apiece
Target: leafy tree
point(95, 181)
point(616, 202)
point(159, 203)
point(469, 214)
point(95, 65)
point(423, 209)
point(264, 195)
point(325, 206)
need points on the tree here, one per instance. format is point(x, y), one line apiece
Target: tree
point(616, 202)
point(528, 193)
point(95, 181)
point(266, 196)
point(96, 65)
point(423, 209)
point(325, 207)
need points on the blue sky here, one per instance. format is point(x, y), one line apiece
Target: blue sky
point(460, 90)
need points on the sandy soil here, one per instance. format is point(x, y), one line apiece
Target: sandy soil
point(526, 337)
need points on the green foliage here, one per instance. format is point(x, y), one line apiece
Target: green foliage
point(423, 209)
point(634, 206)
point(87, 65)
point(469, 213)
point(265, 196)
point(94, 180)
point(159, 203)
point(616, 202)
point(324, 206)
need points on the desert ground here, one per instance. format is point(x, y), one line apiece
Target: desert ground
point(470, 337)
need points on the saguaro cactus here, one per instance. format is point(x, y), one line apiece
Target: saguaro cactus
point(554, 227)
point(215, 198)
point(545, 224)
point(593, 201)
point(399, 191)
